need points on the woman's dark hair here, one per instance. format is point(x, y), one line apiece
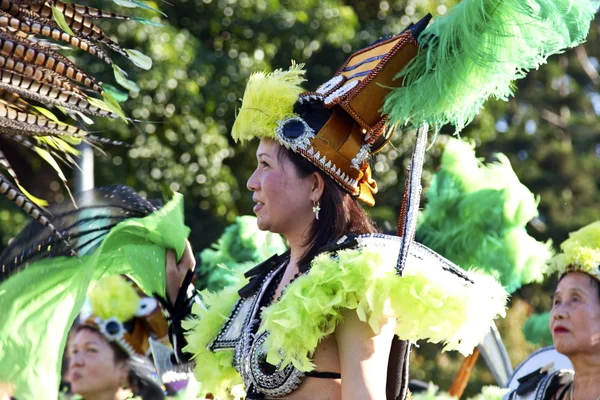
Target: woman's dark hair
point(340, 213)
point(139, 377)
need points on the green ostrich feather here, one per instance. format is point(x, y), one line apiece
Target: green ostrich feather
point(477, 50)
point(537, 331)
point(476, 216)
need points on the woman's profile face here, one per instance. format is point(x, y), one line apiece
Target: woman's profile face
point(92, 365)
point(575, 315)
point(283, 202)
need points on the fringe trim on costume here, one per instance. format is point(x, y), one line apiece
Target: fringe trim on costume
point(427, 302)
point(476, 216)
point(213, 370)
point(477, 50)
point(268, 99)
point(580, 252)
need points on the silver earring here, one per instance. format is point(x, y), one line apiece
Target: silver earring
point(316, 208)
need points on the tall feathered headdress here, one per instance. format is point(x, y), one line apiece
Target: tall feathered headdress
point(435, 75)
point(125, 317)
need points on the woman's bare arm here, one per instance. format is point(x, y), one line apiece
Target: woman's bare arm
point(176, 271)
point(363, 357)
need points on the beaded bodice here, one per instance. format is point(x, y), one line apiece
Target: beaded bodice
point(240, 334)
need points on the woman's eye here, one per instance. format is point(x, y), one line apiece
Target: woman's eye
point(555, 302)
point(575, 299)
point(264, 164)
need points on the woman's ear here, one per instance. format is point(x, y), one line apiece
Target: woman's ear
point(318, 186)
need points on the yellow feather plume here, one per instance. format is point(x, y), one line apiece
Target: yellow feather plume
point(268, 99)
point(113, 296)
point(580, 252)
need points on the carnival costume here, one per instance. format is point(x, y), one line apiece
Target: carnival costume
point(579, 253)
point(445, 73)
point(44, 280)
point(475, 215)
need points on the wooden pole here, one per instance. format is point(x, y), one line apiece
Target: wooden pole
point(463, 374)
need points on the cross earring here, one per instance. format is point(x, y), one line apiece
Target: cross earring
point(316, 208)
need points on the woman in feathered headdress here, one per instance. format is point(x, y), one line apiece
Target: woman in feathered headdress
point(574, 322)
point(107, 355)
point(319, 321)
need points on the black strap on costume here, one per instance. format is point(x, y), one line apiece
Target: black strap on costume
point(177, 313)
point(324, 375)
point(397, 370)
point(564, 392)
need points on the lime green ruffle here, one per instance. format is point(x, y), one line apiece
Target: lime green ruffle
point(427, 302)
point(214, 370)
point(40, 303)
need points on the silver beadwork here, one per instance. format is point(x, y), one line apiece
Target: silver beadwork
point(301, 142)
point(330, 85)
point(361, 156)
point(340, 92)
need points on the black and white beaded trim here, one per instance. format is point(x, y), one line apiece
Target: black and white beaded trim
point(330, 85)
point(279, 383)
point(330, 167)
point(117, 337)
point(331, 98)
point(309, 96)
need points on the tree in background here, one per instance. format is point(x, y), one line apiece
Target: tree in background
point(206, 51)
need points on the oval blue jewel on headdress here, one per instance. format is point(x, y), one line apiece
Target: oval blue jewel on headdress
point(292, 129)
point(112, 327)
point(294, 133)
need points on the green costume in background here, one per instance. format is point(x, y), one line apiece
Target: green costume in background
point(40, 300)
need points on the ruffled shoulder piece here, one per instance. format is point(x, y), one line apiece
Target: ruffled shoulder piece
point(433, 300)
point(214, 369)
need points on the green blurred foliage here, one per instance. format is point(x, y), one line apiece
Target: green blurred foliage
point(202, 58)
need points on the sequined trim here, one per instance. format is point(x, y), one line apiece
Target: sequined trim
point(249, 357)
point(331, 84)
point(331, 169)
point(360, 158)
point(277, 383)
point(301, 142)
point(335, 95)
